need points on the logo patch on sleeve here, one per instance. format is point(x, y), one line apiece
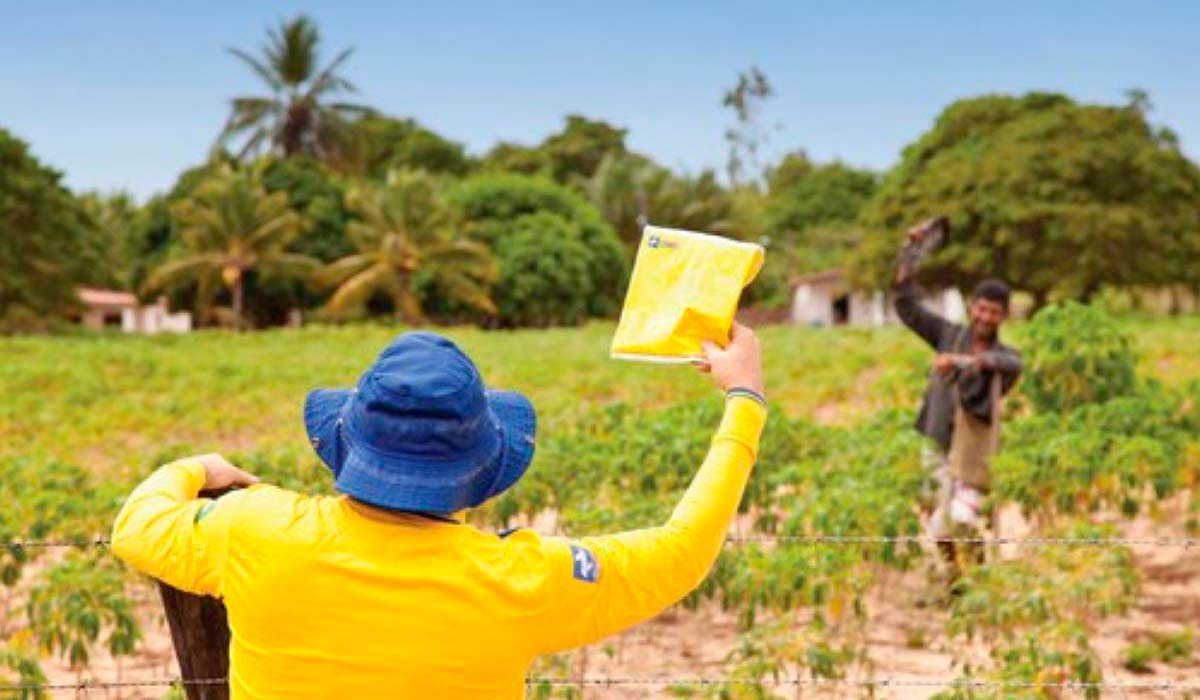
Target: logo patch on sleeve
point(586, 568)
point(204, 510)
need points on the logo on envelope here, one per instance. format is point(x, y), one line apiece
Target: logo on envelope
point(657, 241)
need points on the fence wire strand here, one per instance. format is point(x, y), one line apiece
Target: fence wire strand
point(1184, 542)
point(618, 681)
point(1180, 542)
point(815, 540)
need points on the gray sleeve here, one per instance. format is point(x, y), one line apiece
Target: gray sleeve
point(931, 327)
point(1007, 362)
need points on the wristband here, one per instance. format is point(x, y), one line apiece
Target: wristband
point(747, 393)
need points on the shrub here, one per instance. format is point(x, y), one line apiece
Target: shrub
point(567, 230)
point(1076, 354)
point(544, 276)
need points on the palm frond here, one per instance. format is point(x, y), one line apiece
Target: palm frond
point(350, 109)
point(327, 81)
point(245, 117)
point(263, 206)
point(404, 299)
point(355, 292)
point(274, 233)
point(289, 266)
point(463, 257)
point(340, 270)
point(466, 290)
point(460, 249)
point(176, 270)
point(268, 76)
point(255, 143)
point(293, 50)
point(365, 236)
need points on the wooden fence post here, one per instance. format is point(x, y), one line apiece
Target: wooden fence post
point(200, 633)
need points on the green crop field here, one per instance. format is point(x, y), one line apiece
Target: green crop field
point(291, 200)
point(83, 417)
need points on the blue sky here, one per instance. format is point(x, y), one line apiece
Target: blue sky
point(125, 95)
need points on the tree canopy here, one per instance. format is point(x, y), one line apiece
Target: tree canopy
point(522, 217)
point(802, 195)
point(47, 241)
point(231, 227)
point(542, 234)
point(569, 157)
point(405, 230)
point(379, 144)
point(1034, 181)
point(299, 116)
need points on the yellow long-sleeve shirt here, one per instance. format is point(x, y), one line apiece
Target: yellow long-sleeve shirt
point(328, 599)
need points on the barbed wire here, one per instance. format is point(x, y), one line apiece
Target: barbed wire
point(1181, 542)
point(1184, 542)
point(873, 683)
point(55, 544)
point(617, 681)
point(110, 685)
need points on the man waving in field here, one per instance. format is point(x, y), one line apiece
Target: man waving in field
point(959, 413)
point(385, 591)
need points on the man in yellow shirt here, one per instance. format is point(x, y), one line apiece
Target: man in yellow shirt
point(384, 591)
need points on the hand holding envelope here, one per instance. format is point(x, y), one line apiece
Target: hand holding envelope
point(684, 291)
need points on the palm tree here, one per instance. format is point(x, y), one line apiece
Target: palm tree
point(295, 119)
point(405, 228)
point(631, 191)
point(231, 226)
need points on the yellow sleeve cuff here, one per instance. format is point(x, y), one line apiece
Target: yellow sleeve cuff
point(192, 475)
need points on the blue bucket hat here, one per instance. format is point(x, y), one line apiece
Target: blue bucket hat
point(420, 432)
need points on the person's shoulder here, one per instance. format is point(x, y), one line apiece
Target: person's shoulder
point(271, 512)
point(553, 560)
point(264, 495)
point(532, 551)
point(524, 544)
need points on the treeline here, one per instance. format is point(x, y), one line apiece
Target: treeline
point(313, 203)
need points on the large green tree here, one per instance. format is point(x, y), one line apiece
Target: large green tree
point(406, 229)
point(516, 216)
point(380, 144)
point(1058, 198)
point(576, 151)
point(802, 195)
point(318, 195)
point(231, 227)
point(568, 157)
point(114, 218)
point(300, 115)
point(47, 241)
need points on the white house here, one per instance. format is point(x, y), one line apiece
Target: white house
point(111, 308)
point(826, 299)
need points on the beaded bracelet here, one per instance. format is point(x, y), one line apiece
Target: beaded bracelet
point(747, 393)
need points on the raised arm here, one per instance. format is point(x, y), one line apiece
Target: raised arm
point(165, 531)
point(600, 585)
point(932, 328)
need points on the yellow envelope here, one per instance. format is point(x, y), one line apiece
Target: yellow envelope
point(684, 290)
